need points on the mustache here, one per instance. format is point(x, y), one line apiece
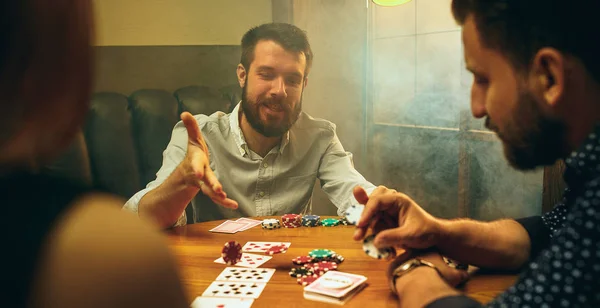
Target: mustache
point(489, 125)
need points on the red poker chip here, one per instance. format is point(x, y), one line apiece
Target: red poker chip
point(276, 249)
point(302, 260)
point(325, 266)
point(232, 252)
point(306, 280)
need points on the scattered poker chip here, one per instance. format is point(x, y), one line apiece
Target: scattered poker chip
point(271, 224)
point(276, 249)
point(353, 213)
point(306, 280)
point(330, 222)
point(301, 260)
point(374, 252)
point(232, 252)
point(321, 253)
point(344, 221)
point(324, 266)
point(336, 258)
point(298, 272)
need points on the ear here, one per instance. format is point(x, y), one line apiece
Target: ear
point(548, 67)
point(305, 82)
point(241, 74)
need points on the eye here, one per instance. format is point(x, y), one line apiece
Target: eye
point(265, 76)
point(480, 81)
point(294, 81)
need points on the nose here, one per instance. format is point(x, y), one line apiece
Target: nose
point(278, 88)
point(477, 104)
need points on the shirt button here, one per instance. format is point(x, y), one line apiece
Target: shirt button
point(265, 165)
point(262, 193)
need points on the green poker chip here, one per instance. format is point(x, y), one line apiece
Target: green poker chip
point(321, 253)
point(330, 222)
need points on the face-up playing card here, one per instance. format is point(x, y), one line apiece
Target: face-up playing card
point(246, 274)
point(262, 246)
point(252, 223)
point(229, 226)
point(335, 284)
point(216, 302)
point(235, 289)
point(249, 260)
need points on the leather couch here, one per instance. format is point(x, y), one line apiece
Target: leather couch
point(120, 146)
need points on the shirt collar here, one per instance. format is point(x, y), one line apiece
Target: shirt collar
point(234, 125)
point(240, 141)
point(584, 163)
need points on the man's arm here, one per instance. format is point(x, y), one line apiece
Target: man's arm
point(339, 177)
point(164, 200)
point(502, 244)
point(185, 171)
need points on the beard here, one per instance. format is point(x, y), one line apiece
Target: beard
point(272, 127)
point(531, 139)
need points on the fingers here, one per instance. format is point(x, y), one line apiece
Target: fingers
point(211, 180)
point(193, 130)
point(380, 200)
point(219, 198)
point(360, 194)
point(390, 238)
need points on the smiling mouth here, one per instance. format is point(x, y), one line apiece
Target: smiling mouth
point(274, 107)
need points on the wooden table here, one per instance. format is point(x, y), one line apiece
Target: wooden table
point(195, 249)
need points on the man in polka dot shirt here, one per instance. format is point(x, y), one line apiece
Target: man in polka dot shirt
point(536, 67)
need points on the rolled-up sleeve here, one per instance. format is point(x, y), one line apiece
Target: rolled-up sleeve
point(339, 177)
point(173, 155)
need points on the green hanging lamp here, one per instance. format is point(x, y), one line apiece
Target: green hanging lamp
point(390, 2)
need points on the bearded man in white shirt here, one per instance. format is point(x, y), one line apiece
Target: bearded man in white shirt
point(264, 157)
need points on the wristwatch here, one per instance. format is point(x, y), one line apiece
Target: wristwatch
point(406, 267)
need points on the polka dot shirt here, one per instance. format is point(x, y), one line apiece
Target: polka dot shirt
point(564, 270)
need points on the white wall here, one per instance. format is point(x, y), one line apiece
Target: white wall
point(177, 22)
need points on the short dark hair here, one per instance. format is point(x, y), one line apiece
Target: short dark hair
point(290, 37)
point(520, 28)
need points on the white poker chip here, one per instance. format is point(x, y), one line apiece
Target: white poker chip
point(374, 252)
point(353, 213)
point(271, 221)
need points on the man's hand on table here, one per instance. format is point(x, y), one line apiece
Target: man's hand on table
point(196, 165)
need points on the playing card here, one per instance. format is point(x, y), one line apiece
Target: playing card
point(235, 289)
point(335, 284)
point(246, 274)
point(252, 223)
point(262, 246)
point(249, 260)
point(217, 302)
point(229, 226)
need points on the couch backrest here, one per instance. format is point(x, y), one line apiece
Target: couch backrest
point(123, 139)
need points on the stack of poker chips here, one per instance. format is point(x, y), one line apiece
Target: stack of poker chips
point(311, 220)
point(291, 220)
point(270, 224)
point(330, 222)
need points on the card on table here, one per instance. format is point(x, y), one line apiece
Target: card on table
point(230, 226)
point(235, 289)
point(335, 284)
point(252, 223)
point(262, 246)
point(249, 260)
point(217, 302)
point(246, 274)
